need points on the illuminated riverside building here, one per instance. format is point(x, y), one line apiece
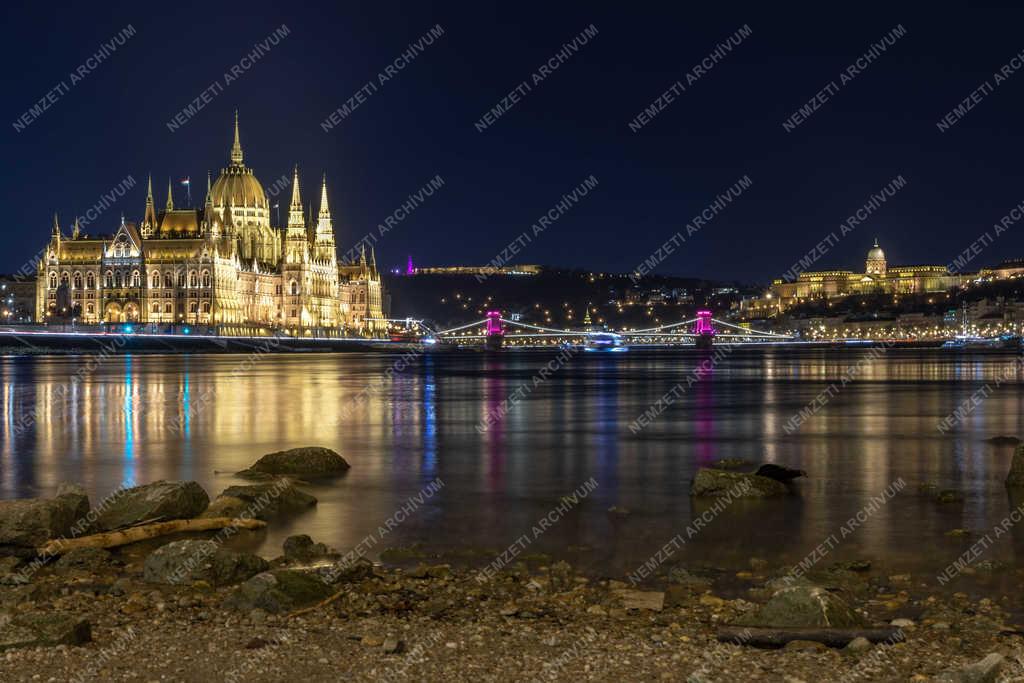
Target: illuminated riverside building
point(878, 278)
point(223, 266)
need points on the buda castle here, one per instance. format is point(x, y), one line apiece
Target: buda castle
point(224, 267)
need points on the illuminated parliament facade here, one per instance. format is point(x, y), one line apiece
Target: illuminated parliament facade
point(223, 266)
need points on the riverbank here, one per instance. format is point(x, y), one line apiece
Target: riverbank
point(79, 602)
point(439, 623)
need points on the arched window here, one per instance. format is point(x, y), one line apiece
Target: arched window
point(206, 278)
point(167, 308)
point(108, 280)
point(117, 280)
point(168, 280)
point(78, 281)
point(156, 308)
point(136, 280)
point(192, 307)
point(90, 281)
point(295, 288)
point(65, 278)
point(155, 279)
point(53, 280)
point(119, 250)
point(206, 307)
point(181, 279)
point(193, 281)
point(90, 308)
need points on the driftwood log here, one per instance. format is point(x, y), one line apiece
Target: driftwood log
point(112, 539)
point(322, 603)
point(778, 637)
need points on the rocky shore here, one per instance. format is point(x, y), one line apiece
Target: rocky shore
point(189, 607)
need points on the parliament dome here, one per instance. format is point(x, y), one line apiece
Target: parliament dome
point(236, 185)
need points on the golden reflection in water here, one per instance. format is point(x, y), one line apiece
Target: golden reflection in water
point(137, 419)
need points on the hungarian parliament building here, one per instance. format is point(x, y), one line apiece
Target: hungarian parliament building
point(223, 267)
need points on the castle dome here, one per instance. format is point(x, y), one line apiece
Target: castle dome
point(236, 185)
point(876, 252)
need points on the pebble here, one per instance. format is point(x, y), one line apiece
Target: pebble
point(858, 645)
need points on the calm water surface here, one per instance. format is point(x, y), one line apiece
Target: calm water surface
point(140, 418)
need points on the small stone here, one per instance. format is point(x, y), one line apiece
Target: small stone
point(709, 600)
point(372, 641)
point(392, 646)
point(858, 645)
point(903, 623)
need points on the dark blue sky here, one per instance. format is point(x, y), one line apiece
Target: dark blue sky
point(573, 124)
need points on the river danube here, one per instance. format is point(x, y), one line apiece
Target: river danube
point(507, 439)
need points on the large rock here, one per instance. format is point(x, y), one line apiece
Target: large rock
point(984, 670)
point(30, 522)
point(307, 463)
point(225, 506)
point(265, 501)
point(35, 629)
point(282, 590)
point(803, 606)
point(184, 562)
point(161, 500)
point(1015, 479)
point(715, 483)
point(301, 548)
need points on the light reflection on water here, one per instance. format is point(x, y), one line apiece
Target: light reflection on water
point(141, 418)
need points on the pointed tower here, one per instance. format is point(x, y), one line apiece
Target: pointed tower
point(209, 199)
point(76, 232)
point(295, 220)
point(323, 239)
point(236, 149)
point(373, 261)
point(149, 220)
point(170, 196)
point(324, 226)
point(55, 233)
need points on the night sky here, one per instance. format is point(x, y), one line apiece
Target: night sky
point(575, 123)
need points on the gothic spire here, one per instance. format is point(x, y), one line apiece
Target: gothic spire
point(295, 209)
point(56, 226)
point(325, 210)
point(150, 218)
point(170, 196)
point(373, 260)
point(209, 199)
point(76, 232)
point(236, 149)
point(324, 227)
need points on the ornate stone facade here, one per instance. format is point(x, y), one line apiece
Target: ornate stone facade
point(223, 266)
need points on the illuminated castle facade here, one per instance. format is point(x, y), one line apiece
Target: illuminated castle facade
point(223, 266)
point(878, 277)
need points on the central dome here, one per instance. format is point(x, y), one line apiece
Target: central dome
point(236, 185)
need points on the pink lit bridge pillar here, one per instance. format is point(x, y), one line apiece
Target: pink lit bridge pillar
point(495, 333)
point(703, 330)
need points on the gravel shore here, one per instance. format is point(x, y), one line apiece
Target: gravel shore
point(438, 623)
